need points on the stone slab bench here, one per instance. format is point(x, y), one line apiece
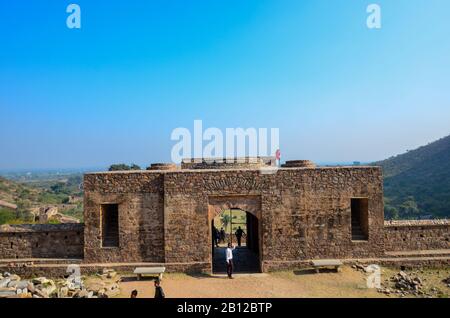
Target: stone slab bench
point(326, 263)
point(151, 271)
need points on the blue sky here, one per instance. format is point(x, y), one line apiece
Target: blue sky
point(114, 90)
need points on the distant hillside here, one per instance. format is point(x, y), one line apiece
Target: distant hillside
point(13, 192)
point(29, 196)
point(417, 183)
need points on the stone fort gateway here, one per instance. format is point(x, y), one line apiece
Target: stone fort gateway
point(165, 216)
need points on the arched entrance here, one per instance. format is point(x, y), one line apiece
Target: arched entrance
point(232, 220)
point(247, 209)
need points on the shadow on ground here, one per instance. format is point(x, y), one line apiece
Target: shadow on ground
point(311, 271)
point(134, 278)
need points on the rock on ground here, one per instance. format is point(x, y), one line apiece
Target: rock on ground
point(41, 287)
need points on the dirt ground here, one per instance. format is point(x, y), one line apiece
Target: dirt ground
point(349, 283)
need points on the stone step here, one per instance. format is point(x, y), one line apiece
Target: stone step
point(359, 237)
point(419, 253)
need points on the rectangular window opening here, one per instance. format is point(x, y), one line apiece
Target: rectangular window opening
point(360, 219)
point(110, 225)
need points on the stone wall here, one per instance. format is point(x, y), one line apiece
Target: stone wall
point(165, 216)
point(41, 241)
point(303, 213)
point(417, 235)
point(139, 196)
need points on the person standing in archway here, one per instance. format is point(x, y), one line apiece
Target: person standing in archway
point(239, 233)
point(222, 235)
point(215, 236)
point(229, 259)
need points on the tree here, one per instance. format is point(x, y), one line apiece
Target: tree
point(225, 219)
point(119, 167)
point(391, 213)
point(409, 208)
point(134, 167)
point(58, 187)
point(65, 200)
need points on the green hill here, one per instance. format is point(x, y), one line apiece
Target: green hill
point(417, 183)
point(33, 195)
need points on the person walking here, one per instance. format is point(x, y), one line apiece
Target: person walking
point(159, 292)
point(229, 260)
point(222, 235)
point(239, 233)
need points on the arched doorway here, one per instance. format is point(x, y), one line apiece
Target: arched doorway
point(241, 229)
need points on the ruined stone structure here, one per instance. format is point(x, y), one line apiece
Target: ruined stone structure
point(42, 241)
point(299, 212)
point(423, 235)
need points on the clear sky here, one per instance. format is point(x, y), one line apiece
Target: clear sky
point(114, 90)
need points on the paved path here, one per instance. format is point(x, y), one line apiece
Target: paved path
point(244, 260)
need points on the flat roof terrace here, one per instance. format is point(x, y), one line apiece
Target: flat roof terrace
point(213, 169)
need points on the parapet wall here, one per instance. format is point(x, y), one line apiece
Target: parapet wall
point(299, 164)
point(228, 163)
point(41, 241)
point(416, 235)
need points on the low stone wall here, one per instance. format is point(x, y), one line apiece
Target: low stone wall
point(418, 262)
point(416, 235)
point(59, 269)
point(41, 241)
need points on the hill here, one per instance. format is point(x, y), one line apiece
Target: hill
point(28, 197)
point(417, 183)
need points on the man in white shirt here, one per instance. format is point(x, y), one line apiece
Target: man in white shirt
point(229, 259)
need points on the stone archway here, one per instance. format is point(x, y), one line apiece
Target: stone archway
point(248, 203)
point(248, 257)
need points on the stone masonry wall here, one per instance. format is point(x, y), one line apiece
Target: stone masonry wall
point(139, 197)
point(165, 216)
point(303, 213)
point(417, 235)
point(41, 241)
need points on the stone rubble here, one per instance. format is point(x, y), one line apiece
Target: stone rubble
point(404, 284)
point(49, 213)
point(446, 281)
point(13, 286)
point(359, 267)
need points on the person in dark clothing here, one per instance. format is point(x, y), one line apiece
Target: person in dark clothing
point(159, 292)
point(134, 294)
point(239, 233)
point(222, 235)
point(215, 236)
